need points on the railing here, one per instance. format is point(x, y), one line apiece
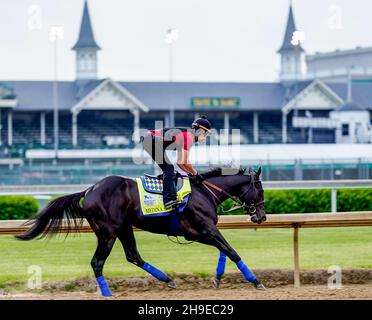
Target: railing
point(295, 221)
point(82, 171)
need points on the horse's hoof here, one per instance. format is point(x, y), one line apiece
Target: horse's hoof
point(216, 283)
point(106, 295)
point(172, 285)
point(259, 286)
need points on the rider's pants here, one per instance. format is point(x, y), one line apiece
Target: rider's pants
point(154, 147)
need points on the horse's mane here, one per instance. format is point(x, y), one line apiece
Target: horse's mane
point(217, 172)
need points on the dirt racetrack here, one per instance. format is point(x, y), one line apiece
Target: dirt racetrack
point(356, 284)
point(359, 292)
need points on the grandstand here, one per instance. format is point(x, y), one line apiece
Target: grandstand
point(102, 114)
point(32, 123)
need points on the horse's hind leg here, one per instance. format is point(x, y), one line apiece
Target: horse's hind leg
point(128, 241)
point(106, 241)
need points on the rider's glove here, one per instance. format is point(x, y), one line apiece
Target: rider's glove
point(197, 178)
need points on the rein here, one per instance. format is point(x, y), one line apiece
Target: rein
point(251, 207)
point(213, 186)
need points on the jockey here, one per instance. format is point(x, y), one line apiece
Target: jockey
point(156, 142)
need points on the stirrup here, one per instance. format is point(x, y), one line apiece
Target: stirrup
point(174, 203)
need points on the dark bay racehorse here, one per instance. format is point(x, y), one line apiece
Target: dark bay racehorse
point(112, 208)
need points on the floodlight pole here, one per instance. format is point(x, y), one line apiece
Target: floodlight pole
point(55, 102)
point(56, 32)
point(171, 110)
point(171, 61)
point(170, 38)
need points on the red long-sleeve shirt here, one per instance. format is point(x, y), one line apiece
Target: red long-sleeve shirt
point(184, 138)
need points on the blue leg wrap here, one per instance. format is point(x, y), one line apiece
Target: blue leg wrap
point(105, 290)
point(220, 270)
point(248, 275)
point(158, 274)
point(174, 224)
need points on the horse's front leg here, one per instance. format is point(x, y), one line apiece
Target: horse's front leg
point(220, 270)
point(212, 236)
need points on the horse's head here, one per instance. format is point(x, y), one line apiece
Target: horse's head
point(252, 195)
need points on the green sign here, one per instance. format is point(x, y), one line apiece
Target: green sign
point(215, 102)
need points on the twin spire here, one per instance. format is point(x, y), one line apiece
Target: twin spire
point(290, 29)
point(86, 49)
point(86, 37)
point(293, 66)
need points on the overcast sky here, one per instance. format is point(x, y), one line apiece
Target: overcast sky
point(220, 40)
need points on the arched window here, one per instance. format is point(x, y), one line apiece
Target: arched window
point(82, 64)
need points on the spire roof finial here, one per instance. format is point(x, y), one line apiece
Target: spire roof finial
point(290, 29)
point(86, 36)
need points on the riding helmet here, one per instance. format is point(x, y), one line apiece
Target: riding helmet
point(203, 123)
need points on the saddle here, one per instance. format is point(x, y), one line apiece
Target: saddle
point(154, 184)
point(150, 192)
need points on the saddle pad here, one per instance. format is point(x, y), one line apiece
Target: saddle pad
point(155, 185)
point(152, 203)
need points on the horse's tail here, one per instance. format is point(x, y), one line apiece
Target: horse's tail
point(50, 219)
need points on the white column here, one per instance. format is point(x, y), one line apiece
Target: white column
point(334, 200)
point(226, 125)
point(310, 137)
point(10, 127)
point(284, 127)
point(166, 121)
point(42, 128)
point(136, 125)
point(172, 117)
point(255, 127)
point(74, 129)
point(1, 126)
point(226, 121)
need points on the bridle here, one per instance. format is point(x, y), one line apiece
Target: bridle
point(250, 207)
